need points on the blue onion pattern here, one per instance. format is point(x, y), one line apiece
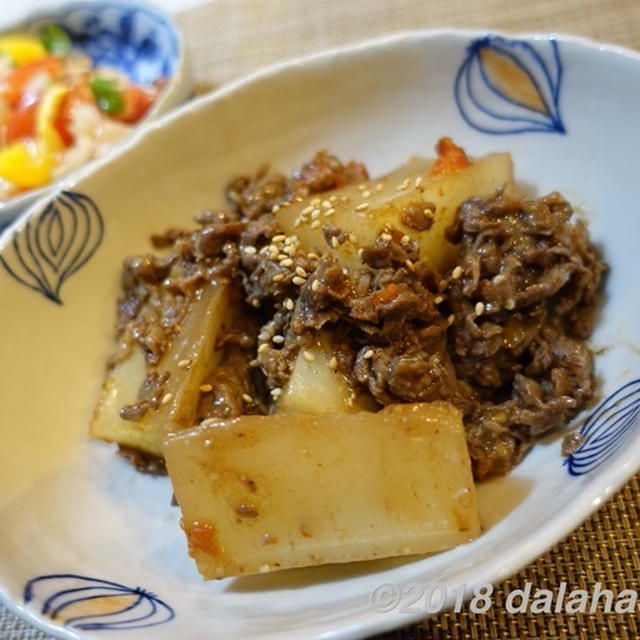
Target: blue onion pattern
point(510, 86)
point(607, 429)
point(137, 40)
point(84, 603)
point(51, 247)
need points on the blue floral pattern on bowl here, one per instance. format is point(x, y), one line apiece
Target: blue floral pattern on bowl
point(507, 86)
point(91, 604)
point(55, 244)
point(607, 429)
point(130, 37)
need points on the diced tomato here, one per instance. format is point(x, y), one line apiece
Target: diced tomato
point(62, 123)
point(136, 103)
point(21, 123)
point(450, 158)
point(17, 80)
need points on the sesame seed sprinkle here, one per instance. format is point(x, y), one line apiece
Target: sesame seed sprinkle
point(316, 202)
point(326, 204)
point(275, 208)
point(298, 281)
point(312, 256)
point(457, 272)
point(279, 238)
point(510, 304)
point(208, 422)
point(307, 210)
point(263, 347)
point(405, 238)
point(247, 398)
point(183, 364)
point(479, 308)
point(315, 224)
point(278, 277)
point(315, 285)
point(363, 206)
point(308, 356)
point(418, 182)
point(206, 388)
point(366, 194)
point(450, 319)
point(166, 398)
point(329, 212)
point(289, 304)
point(250, 250)
point(438, 299)
point(379, 187)
point(301, 272)
point(335, 243)
point(286, 262)
point(362, 187)
point(368, 354)
point(410, 265)
point(276, 392)
point(278, 339)
point(333, 363)
point(315, 214)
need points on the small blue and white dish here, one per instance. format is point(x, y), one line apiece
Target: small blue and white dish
point(136, 38)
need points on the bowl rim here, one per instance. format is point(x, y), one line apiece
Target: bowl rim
point(30, 196)
point(596, 490)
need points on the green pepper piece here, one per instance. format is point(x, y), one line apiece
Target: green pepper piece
point(55, 39)
point(107, 95)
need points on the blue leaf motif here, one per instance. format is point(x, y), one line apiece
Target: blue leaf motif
point(607, 429)
point(51, 247)
point(506, 86)
point(84, 603)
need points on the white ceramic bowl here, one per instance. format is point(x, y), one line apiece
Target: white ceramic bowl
point(74, 515)
point(137, 38)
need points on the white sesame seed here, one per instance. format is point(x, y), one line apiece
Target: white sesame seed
point(315, 285)
point(315, 224)
point(329, 212)
point(457, 272)
point(298, 281)
point(479, 308)
point(405, 238)
point(255, 303)
point(247, 398)
point(307, 210)
point(276, 392)
point(183, 364)
point(312, 256)
point(379, 187)
point(301, 272)
point(333, 363)
point(316, 202)
point(418, 182)
point(344, 199)
point(308, 356)
point(250, 251)
point(438, 299)
point(289, 304)
point(166, 398)
point(360, 252)
point(362, 187)
point(208, 422)
point(333, 199)
point(254, 363)
point(315, 214)
point(278, 238)
point(366, 194)
point(326, 204)
point(206, 388)
point(363, 206)
point(385, 237)
point(410, 265)
point(275, 208)
point(263, 347)
point(450, 319)
point(286, 262)
point(278, 277)
point(278, 339)
point(368, 354)
point(510, 304)
point(335, 243)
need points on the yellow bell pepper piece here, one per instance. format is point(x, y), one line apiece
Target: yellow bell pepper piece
point(24, 167)
point(46, 115)
point(22, 49)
